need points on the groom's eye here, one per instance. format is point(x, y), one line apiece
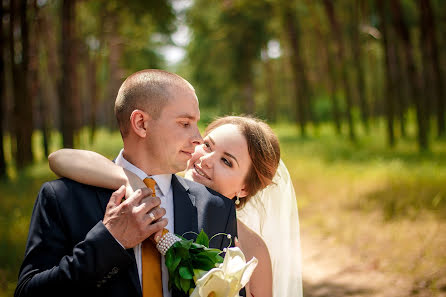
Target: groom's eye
point(185, 124)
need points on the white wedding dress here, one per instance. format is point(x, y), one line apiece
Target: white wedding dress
point(272, 213)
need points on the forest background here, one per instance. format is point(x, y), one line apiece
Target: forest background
point(354, 89)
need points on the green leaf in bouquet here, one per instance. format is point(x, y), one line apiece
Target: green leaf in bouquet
point(198, 273)
point(177, 281)
point(186, 272)
point(182, 252)
point(169, 258)
point(185, 284)
point(203, 262)
point(202, 239)
point(186, 244)
point(197, 246)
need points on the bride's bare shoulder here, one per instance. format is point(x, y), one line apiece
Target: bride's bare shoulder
point(253, 245)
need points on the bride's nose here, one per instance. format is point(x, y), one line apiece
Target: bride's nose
point(207, 160)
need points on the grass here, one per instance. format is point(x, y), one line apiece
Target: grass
point(388, 205)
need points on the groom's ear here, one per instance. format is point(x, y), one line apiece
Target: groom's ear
point(139, 122)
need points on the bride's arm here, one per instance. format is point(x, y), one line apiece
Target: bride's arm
point(252, 245)
point(93, 169)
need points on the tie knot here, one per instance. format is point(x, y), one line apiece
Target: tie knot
point(150, 183)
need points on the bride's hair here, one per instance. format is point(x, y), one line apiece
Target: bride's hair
point(263, 149)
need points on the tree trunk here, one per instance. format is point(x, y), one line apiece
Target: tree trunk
point(431, 62)
point(271, 111)
point(402, 87)
point(332, 85)
point(390, 66)
point(115, 73)
point(2, 95)
point(357, 56)
point(341, 61)
point(66, 87)
point(22, 110)
point(48, 105)
point(298, 70)
point(414, 78)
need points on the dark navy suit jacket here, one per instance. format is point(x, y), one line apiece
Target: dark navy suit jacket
point(69, 251)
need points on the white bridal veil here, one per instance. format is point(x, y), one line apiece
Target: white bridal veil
point(272, 213)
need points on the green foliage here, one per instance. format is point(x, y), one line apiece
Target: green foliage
point(184, 258)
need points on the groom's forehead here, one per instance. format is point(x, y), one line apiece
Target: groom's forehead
point(183, 106)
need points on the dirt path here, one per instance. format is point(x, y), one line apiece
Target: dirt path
point(330, 270)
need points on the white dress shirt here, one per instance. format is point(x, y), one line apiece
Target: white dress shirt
point(163, 190)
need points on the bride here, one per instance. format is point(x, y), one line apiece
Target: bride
point(239, 158)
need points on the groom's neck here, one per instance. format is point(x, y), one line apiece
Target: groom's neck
point(142, 160)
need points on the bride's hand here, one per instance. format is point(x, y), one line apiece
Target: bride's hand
point(133, 183)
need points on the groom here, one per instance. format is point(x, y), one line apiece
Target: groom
point(86, 241)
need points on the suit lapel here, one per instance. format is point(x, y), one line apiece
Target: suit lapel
point(185, 212)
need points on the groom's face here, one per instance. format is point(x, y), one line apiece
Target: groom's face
point(175, 133)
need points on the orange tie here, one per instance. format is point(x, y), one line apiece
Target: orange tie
point(152, 284)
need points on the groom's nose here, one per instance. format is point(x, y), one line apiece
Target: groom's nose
point(196, 137)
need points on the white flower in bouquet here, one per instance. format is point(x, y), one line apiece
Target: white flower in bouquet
point(228, 278)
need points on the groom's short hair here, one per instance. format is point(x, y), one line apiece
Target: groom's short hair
point(148, 90)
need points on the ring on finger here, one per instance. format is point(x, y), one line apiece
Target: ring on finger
point(152, 216)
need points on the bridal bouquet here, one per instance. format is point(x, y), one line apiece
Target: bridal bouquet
point(200, 271)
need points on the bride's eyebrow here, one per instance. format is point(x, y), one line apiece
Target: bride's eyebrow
point(231, 156)
point(226, 153)
point(212, 140)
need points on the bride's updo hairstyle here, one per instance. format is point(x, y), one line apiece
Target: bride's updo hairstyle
point(263, 148)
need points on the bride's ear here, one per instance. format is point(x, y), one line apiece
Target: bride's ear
point(243, 192)
point(139, 122)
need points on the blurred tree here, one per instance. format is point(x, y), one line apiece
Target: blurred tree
point(228, 36)
point(49, 72)
point(390, 62)
point(271, 112)
point(332, 80)
point(2, 93)
point(300, 81)
point(415, 81)
point(33, 78)
point(341, 63)
point(68, 76)
point(431, 63)
point(19, 55)
point(358, 10)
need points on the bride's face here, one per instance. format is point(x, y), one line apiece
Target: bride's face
point(221, 162)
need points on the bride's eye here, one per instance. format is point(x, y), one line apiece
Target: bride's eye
point(206, 145)
point(226, 162)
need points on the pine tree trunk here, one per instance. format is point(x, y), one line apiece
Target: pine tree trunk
point(22, 110)
point(341, 61)
point(431, 62)
point(271, 111)
point(298, 71)
point(356, 44)
point(414, 77)
point(115, 73)
point(390, 66)
point(66, 87)
point(332, 83)
point(2, 94)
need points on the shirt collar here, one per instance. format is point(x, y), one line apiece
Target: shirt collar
point(162, 180)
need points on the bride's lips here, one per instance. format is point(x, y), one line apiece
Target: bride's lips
point(200, 172)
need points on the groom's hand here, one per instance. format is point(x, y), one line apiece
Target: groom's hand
point(136, 218)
